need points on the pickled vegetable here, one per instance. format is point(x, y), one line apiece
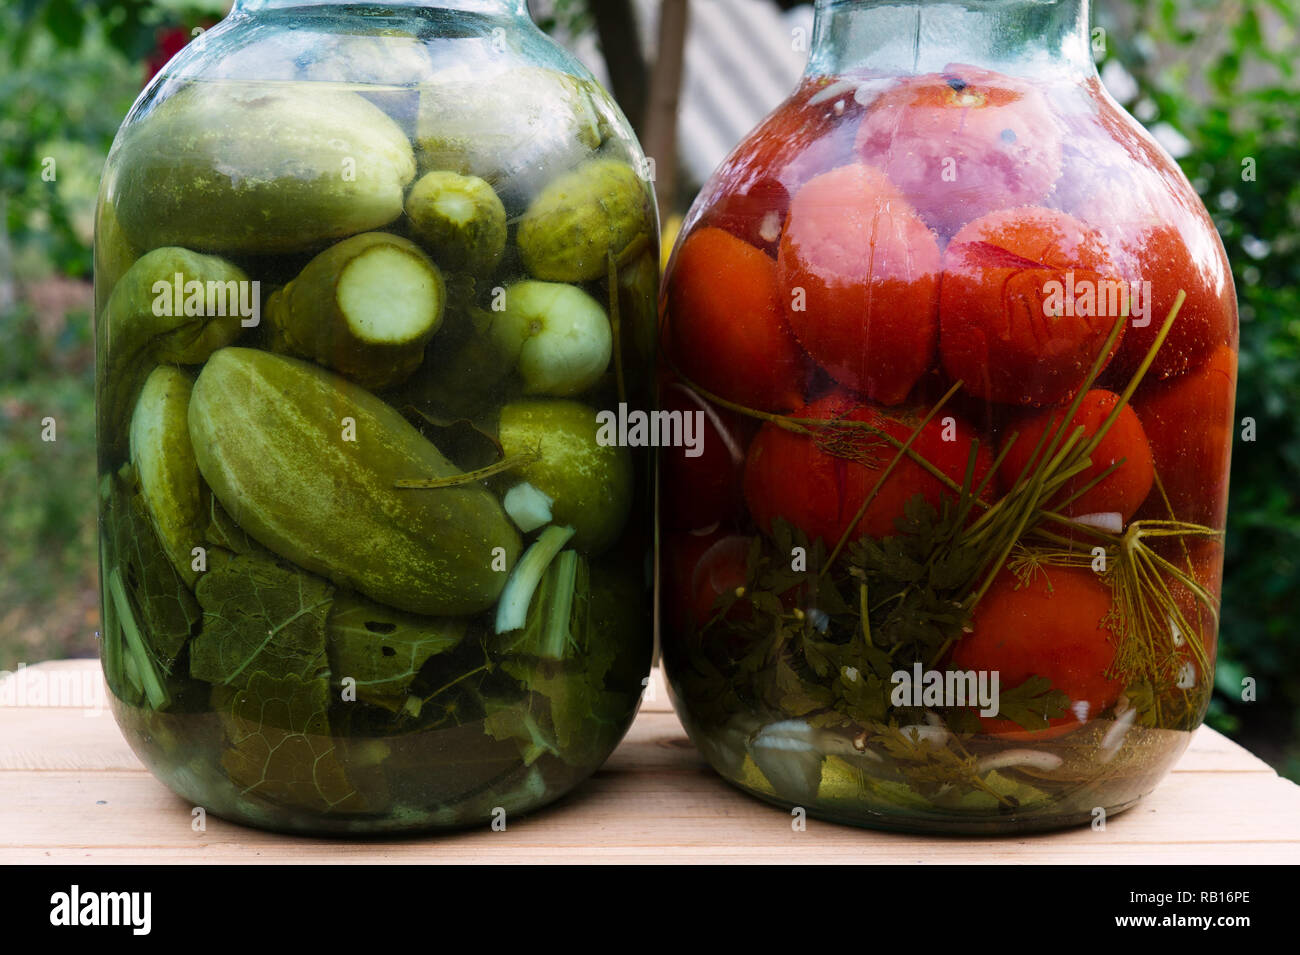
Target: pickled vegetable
point(581, 219)
point(460, 220)
point(172, 306)
point(282, 168)
point(589, 484)
point(364, 307)
point(557, 336)
point(271, 437)
point(166, 467)
point(951, 562)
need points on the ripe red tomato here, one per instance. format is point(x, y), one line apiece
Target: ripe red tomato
point(728, 329)
point(1159, 233)
point(799, 479)
point(680, 554)
point(962, 143)
point(1162, 256)
point(705, 489)
point(1006, 282)
point(720, 570)
point(1054, 627)
point(858, 274)
point(812, 131)
point(754, 213)
point(1123, 490)
point(1188, 420)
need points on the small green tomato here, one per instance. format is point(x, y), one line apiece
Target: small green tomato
point(556, 335)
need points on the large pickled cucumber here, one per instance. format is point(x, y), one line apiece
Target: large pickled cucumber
point(150, 319)
point(272, 438)
point(165, 466)
point(280, 168)
point(364, 307)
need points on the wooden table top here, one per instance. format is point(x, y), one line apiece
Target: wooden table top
point(71, 791)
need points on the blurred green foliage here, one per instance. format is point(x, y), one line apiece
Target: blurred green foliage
point(1220, 72)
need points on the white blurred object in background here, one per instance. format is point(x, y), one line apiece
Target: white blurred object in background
point(743, 57)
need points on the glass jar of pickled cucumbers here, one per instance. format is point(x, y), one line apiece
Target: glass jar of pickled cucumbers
point(961, 342)
point(368, 282)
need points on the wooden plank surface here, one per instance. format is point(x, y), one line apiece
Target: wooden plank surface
point(71, 790)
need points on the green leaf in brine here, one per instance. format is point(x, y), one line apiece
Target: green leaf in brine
point(565, 658)
point(280, 748)
point(1031, 704)
point(382, 649)
point(797, 697)
point(582, 718)
point(258, 615)
point(223, 532)
point(151, 611)
point(523, 723)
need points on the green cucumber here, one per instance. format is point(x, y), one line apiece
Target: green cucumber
point(589, 484)
point(365, 307)
point(271, 435)
point(165, 466)
point(266, 168)
point(153, 318)
point(113, 253)
point(460, 220)
point(582, 218)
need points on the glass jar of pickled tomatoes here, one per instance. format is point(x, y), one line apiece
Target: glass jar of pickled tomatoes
point(956, 341)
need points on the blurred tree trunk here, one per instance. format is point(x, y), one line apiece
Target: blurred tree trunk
point(660, 137)
point(620, 44)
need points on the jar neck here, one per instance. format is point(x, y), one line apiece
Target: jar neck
point(1021, 37)
point(499, 8)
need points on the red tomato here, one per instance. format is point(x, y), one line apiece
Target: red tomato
point(1207, 319)
point(728, 330)
point(962, 143)
point(720, 570)
point(1116, 178)
point(799, 479)
point(1188, 420)
point(1005, 323)
point(681, 553)
point(755, 213)
point(1123, 490)
point(858, 274)
point(810, 132)
point(1052, 627)
point(702, 490)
